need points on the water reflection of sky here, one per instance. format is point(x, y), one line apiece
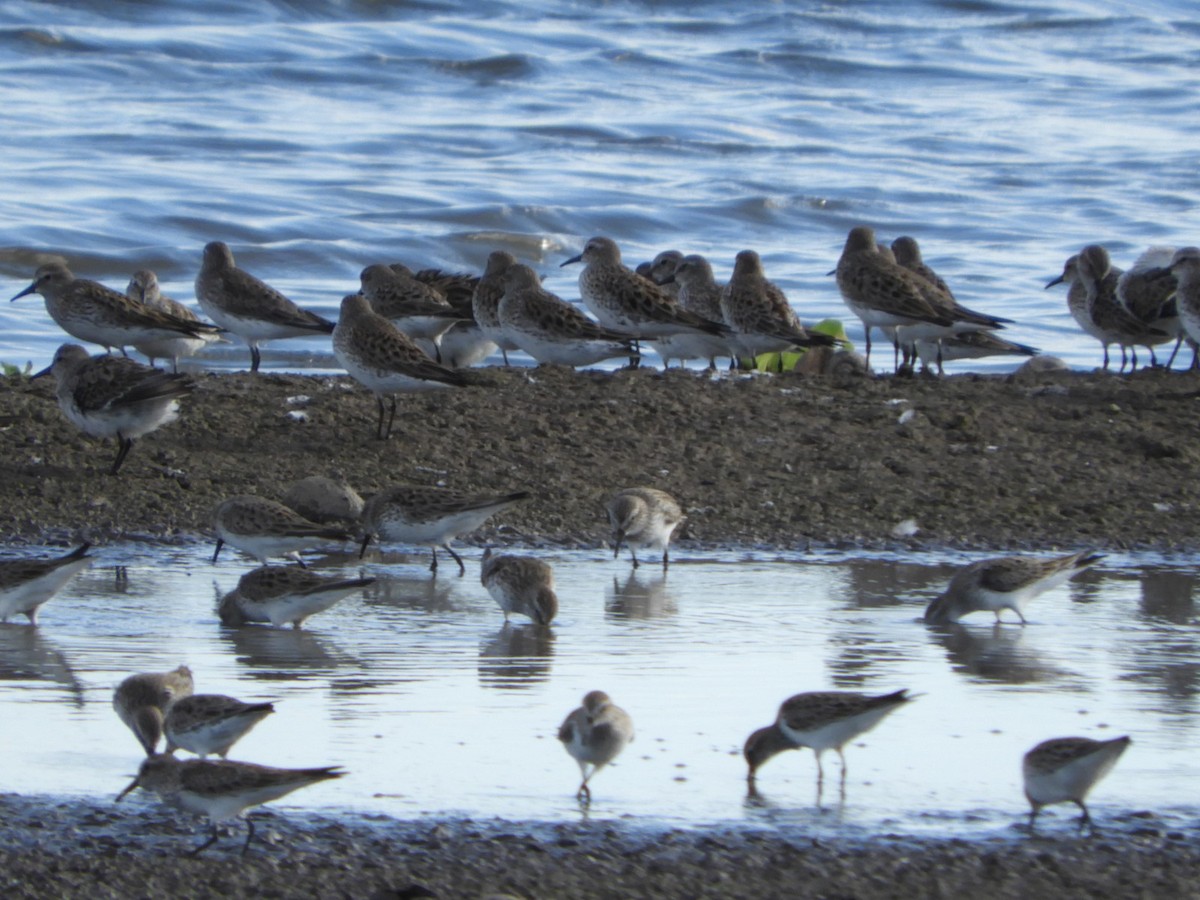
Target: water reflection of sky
point(436, 706)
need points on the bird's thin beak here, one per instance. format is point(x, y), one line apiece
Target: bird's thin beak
point(573, 259)
point(25, 293)
point(133, 784)
point(832, 271)
point(1050, 284)
point(43, 373)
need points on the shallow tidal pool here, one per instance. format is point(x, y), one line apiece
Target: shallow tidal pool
point(436, 708)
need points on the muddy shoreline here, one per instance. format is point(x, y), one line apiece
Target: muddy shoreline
point(59, 847)
point(1029, 461)
point(1032, 461)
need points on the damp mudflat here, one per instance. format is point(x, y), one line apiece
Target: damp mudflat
point(437, 709)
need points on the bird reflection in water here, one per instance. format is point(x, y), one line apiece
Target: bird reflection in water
point(1167, 595)
point(517, 656)
point(413, 593)
point(640, 596)
point(25, 655)
point(280, 654)
point(995, 653)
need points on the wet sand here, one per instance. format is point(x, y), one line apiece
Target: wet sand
point(1034, 461)
point(94, 849)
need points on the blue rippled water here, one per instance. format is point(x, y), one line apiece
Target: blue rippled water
point(318, 137)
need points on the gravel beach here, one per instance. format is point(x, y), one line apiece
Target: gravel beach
point(1029, 461)
point(1033, 461)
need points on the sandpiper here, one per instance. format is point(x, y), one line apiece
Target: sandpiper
point(221, 789)
point(382, 358)
point(1006, 582)
point(210, 723)
point(142, 702)
point(759, 313)
point(821, 720)
point(1063, 770)
point(111, 396)
point(1077, 301)
point(325, 499)
point(430, 517)
point(413, 306)
point(551, 330)
point(1092, 299)
point(1185, 266)
point(465, 344)
point(1147, 291)
point(91, 312)
point(485, 300)
point(661, 270)
point(144, 288)
point(968, 345)
point(880, 291)
point(643, 517)
point(699, 292)
point(520, 584)
point(249, 307)
point(263, 528)
point(907, 253)
point(1101, 278)
point(625, 301)
point(595, 734)
point(25, 584)
point(284, 595)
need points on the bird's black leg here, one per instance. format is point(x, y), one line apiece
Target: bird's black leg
point(462, 570)
point(125, 443)
point(213, 838)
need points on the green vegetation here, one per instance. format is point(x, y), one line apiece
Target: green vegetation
point(785, 362)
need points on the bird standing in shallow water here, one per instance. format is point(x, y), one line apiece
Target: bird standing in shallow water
point(1006, 582)
point(520, 584)
point(1063, 770)
point(284, 595)
point(142, 702)
point(429, 516)
point(821, 720)
point(210, 723)
point(643, 517)
point(594, 734)
point(25, 584)
point(263, 528)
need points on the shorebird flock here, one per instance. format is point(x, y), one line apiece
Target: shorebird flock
point(406, 331)
point(158, 707)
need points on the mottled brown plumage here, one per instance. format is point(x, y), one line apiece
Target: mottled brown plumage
point(249, 307)
point(625, 301)
point(284, 595)
point(548, 328)
point(382, 358)
point(91, 312)
point(429, 516)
